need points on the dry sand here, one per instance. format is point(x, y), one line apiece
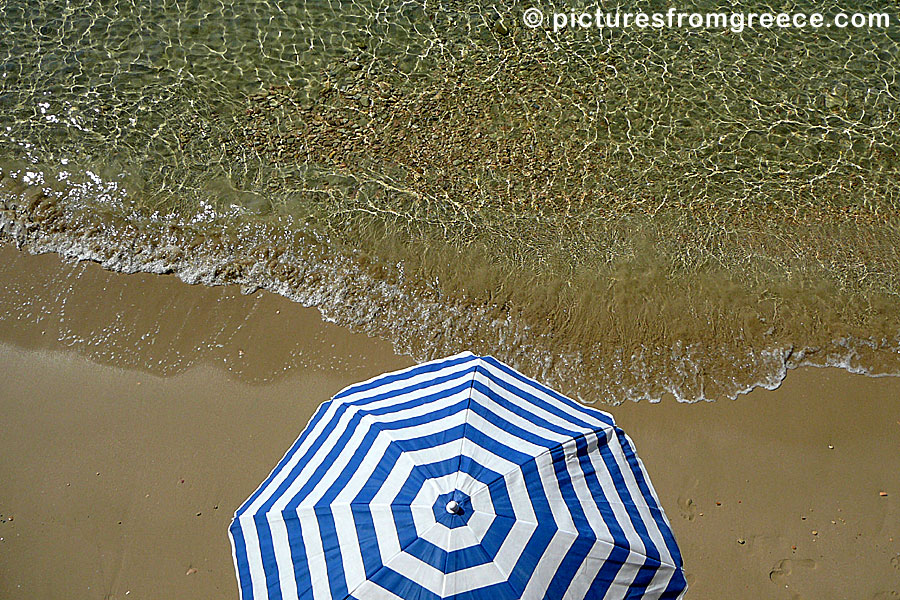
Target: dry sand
point(137, 412)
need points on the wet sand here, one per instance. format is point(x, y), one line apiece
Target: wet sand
point(138, 412)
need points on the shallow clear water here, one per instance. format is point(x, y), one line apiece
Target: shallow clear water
point(626, 213)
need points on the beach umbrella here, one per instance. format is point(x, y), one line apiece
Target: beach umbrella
point(458, 478)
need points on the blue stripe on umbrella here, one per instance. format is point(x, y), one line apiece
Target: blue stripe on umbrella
point(386, 380)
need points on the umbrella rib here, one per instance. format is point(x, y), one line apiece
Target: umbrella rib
point(384, 564)
point(462, 439)
point(544, 453)
point(503, 576)
point(541, 454)
point(613, 544)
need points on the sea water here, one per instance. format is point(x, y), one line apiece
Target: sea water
point(625, 213)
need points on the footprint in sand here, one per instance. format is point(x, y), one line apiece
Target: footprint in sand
point(786, 567)
point(686, 507)
point(895, 562)
point(886, 596)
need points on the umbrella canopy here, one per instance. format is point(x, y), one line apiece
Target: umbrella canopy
point(458, 478)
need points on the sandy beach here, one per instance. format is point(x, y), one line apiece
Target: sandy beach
point(122, 462)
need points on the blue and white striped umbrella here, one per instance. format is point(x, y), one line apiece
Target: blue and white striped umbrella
point(458, 478)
